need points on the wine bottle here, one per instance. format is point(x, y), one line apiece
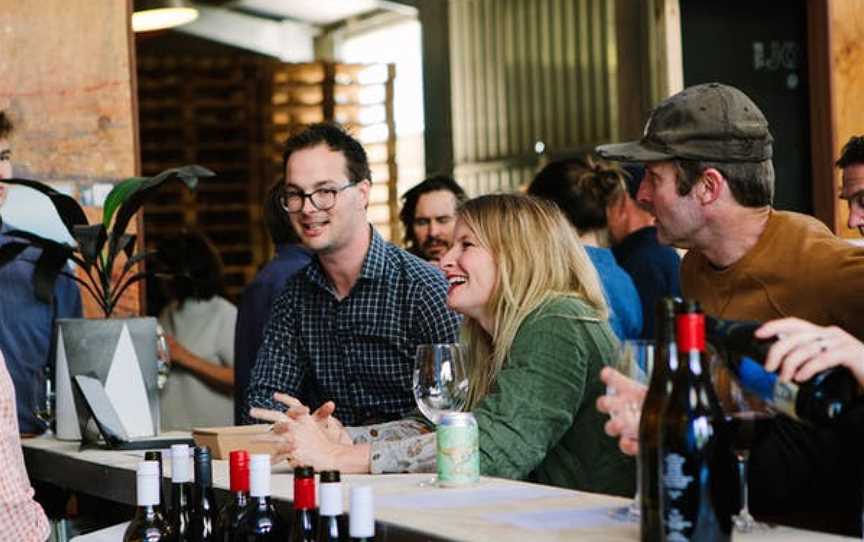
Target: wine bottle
point(148, 525)
point(202, 520)
point(331, 517)
point(163, 502)
point(650, 425)
point(261, 522)
point(361, 520)
point(181, 492)
point(696, 456)
point(823, 399)
point(233, 511)
point(303, 525)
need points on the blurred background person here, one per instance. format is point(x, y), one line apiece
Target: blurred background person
point(654, 267)
point(26, 320)
point(536, 334)
point(429, 214)
point(253, 312)
point(583, 188)
point(199, 324)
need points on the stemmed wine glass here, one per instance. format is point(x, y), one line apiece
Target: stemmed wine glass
point(440, 379)
point(163, 358)
point(634, 359)
point(440, 382)
point(746, 416)
point(45, 407)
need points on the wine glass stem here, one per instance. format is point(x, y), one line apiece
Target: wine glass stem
point(636, 505)
point(743, 457)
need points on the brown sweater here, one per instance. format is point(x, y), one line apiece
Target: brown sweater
point(797, 268)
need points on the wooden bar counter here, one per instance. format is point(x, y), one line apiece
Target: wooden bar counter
point(494, 509)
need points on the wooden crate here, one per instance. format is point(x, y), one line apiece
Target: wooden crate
point(233, 115)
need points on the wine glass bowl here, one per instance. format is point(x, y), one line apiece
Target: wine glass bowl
point(440, 382)
point(635, 360)
point(746, 416)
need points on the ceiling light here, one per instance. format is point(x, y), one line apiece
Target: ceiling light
point(161, 14)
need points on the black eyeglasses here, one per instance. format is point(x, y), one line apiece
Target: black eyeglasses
point(322, 199)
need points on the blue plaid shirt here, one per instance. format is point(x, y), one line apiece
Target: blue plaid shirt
point(357, 352)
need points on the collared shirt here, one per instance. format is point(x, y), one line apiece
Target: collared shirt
point(253, 312)
point(27, 329)
point(654, 269)
point(358, 351)
point(21, 518)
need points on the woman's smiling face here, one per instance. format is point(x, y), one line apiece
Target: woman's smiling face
point(472, 273)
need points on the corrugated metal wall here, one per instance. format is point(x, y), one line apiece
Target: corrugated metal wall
point(524, 71)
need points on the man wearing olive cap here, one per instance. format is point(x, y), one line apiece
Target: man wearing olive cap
point(709, 182)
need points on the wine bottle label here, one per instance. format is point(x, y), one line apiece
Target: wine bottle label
point(678, 496)
point(782, 396)
point(674, 479)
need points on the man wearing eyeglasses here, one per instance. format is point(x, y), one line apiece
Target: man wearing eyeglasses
point(346, 328)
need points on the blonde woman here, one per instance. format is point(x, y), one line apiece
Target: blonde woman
point(536, 329)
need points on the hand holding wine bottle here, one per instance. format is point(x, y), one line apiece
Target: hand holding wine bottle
point(804, 349)
point(823, 398)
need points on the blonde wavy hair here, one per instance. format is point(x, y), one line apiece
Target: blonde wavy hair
point(539, 256)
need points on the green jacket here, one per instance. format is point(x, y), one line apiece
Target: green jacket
point(540, 422)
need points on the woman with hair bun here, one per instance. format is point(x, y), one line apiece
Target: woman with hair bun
point(584, 188)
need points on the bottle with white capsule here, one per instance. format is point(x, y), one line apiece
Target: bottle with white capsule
point(361, 521)
point(148, 525)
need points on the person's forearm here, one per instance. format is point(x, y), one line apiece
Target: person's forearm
point(217, 375)
point(354, 459)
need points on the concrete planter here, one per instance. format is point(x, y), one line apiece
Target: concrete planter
point(121, 353)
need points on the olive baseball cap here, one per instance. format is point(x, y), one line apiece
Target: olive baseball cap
point(709, 122)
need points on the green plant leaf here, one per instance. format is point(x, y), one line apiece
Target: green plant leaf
point(48, 267)
point(130, 263)
point(117, 196)
point(91, 240)
point(10, 251)
point(130, 205)
point(127, 244)
point(68, 208)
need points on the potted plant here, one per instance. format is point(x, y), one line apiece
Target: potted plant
point(120, 352)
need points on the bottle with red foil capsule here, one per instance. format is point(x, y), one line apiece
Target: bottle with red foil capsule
point(232, 513)
point(305, 509)
point(698, 474)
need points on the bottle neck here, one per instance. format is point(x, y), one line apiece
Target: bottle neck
point(240, 497)
point(261, 502)
point(148, 512)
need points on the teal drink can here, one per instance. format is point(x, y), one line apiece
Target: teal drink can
point(458, 457)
